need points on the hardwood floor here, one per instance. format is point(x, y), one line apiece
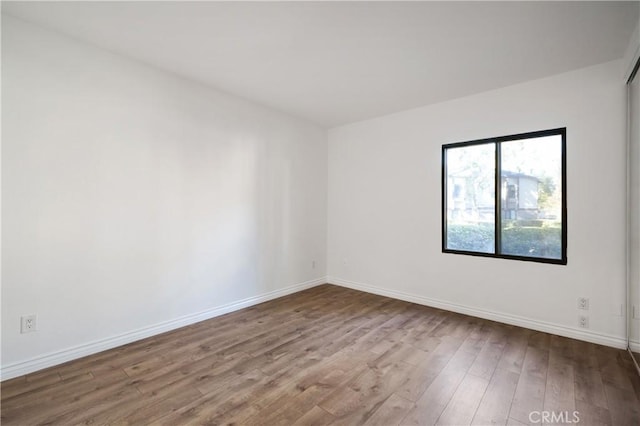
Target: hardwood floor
point(331, 355)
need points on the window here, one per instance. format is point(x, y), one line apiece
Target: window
point(506, 197)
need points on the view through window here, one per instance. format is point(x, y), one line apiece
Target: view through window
point(506, 197)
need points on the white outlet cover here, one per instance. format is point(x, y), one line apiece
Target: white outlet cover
point(583, 321)
point(617, 310)
point(28, 323)
point(583, 303)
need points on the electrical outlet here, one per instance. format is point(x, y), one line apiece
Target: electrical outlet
point(583, 303)
point(583, 321)
point(617, 310)
point(28, 323)
point(313, 264)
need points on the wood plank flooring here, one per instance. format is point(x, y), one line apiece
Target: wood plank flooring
point(331, 355)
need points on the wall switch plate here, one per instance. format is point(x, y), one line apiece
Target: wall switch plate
point(28, 323)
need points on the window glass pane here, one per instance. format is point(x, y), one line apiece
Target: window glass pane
point(470, 202)
point(531, 197)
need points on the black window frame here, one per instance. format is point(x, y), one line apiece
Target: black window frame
point(561, 131)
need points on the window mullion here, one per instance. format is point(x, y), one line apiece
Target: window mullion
point(498, 200)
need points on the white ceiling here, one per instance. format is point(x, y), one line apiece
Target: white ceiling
point(339, 62)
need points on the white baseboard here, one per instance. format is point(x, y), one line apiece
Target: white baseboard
point(59, 357)
point(560, 330)
point(634, 346)
point(55, 358)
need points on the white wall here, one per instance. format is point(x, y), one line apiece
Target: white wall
point(134, 201)
point(385, 206)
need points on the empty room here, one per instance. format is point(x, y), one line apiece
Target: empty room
point(314, 213)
